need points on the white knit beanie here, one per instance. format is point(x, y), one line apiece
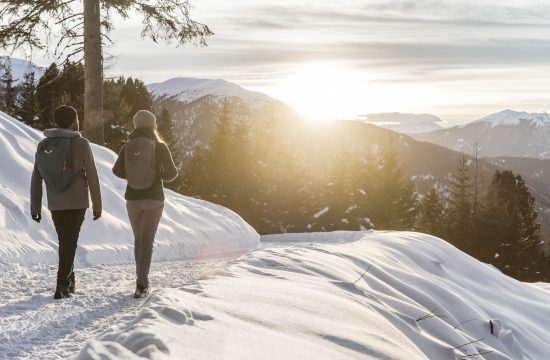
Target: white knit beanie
point(145, 119)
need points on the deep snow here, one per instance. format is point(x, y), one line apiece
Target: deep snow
point(388, 295)
point(35, 326)
point(190, 228)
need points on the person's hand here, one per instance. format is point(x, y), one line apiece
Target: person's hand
point(36, 217)
point(97, 214)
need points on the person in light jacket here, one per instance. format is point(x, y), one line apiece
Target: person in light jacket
point(145, 206)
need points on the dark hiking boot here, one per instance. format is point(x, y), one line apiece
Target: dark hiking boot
point(62, 293)
point(72, 283)
point(141, 291)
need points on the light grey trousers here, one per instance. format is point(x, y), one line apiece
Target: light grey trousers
point(144, 217)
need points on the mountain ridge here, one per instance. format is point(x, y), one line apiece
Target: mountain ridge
point(406, 123)
point(505, 133)
point(187, 89)
point(512, 118)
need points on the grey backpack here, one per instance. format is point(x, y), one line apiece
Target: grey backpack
point(139, 159)
point(53, 161)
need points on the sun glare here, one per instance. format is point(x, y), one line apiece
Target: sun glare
point(324, 92)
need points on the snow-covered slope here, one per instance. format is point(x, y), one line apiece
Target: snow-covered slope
point(506, 133)
point(189, 89)
point(19, 68)
point(386, 296)
point(189, 228)
point(406, 123)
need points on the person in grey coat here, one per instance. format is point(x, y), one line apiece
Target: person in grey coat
point(69, 205)
point(145, 205)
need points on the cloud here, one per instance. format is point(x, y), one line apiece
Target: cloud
point(486, 45)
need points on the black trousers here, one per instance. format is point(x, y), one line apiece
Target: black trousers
point(67, 224)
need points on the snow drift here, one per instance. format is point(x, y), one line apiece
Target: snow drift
point(385, 296)
point(189, 228)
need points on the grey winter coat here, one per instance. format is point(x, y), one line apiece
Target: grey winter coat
point(75, 196)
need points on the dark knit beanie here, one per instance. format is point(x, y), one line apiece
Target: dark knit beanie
point(64, 116)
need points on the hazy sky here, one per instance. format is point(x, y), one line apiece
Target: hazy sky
point(459, 60)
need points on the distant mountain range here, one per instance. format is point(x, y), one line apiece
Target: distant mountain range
point(506, 133)
point(406, 123)
point(504, 139)
point(19, 68)
point(427, 162)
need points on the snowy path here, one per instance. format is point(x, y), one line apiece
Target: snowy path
point(34, 326)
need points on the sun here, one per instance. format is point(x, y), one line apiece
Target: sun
point(323, 92)
point(327, 91)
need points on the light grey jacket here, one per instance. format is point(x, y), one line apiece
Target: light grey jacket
point(75, 196)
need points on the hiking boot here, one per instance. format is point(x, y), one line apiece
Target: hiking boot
point(141, 291)
point(72, 283)
point(62, 293)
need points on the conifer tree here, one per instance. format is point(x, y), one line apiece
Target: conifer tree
point(431, 214)
point(218, 156)
point(135, 93)
point(123, 98)
point(208, 174)
point(165, 127)
point(47, 93)
point(28, 103)
point(365, 192)
point(511, 230)
point(242, 182)
point(338, 195)
point(117, 114)
point(71, 88)
point(459, 214)
point(193, 176)
point(529, 233)
point(266, 156)
point(9, 103)
point(395, 203)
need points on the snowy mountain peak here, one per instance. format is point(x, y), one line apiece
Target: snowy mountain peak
point(513, 118)
point(505, 133)
point(19, 68)
point(189, 89)
point(406, 123)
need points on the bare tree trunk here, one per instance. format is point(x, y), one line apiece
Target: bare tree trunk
point(93, 73)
